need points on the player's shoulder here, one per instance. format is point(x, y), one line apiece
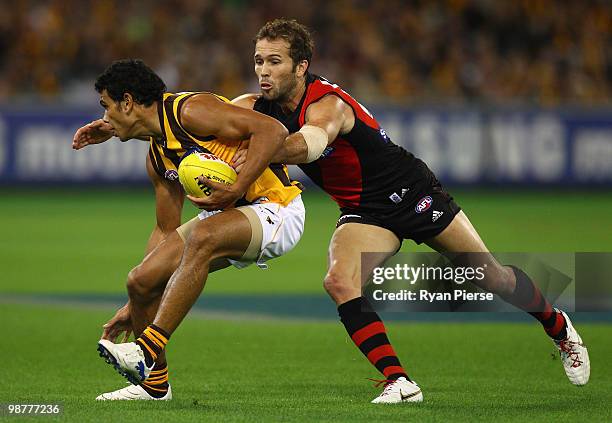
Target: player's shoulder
point(200, 108)
point(200, 102)
point(320, 88)
point(246, 101)
point(321, 83)
point(325, 94)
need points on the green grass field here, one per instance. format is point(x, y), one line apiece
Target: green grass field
point(273, 370)
point(250, 369)
point(76, 241)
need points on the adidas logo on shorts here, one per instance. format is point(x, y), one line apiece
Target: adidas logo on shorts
point(436, 215)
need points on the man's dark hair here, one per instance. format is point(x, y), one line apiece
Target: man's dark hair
point(134, 77)
point(297, 35)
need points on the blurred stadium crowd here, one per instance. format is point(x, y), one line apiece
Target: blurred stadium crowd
point(544, 52)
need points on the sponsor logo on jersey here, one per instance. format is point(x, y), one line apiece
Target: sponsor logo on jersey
point(436, 215)
point(424, 204)
point(384, 135)
point(171, 175)
point(395, 197)
point(328, 150)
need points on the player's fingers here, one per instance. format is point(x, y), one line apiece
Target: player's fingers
point(239, 158)
point(238, 167)
point(210, 184)
point(238, 162)
point(79, 144)
point(78, 136)
point(106, 334)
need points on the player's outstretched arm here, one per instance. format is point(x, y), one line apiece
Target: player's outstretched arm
point(205, 115)
point(94, 132)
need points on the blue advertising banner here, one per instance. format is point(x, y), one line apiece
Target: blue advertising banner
point(36, 147)
point(524, 147)
point(462, 146)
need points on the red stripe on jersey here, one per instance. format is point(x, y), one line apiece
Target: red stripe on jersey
point(367, 332)
point(380, 352)
point(319, 88)
point(341, 174)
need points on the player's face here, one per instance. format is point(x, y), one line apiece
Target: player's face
point(116, 117)
point(274, 68)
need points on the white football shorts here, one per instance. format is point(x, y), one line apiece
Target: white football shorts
point(275, 230)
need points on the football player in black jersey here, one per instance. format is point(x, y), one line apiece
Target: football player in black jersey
point(385, 195)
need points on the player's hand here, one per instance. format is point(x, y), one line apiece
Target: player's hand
point(120, 323)
point(239, 159)
point(94, 132)
point(221, 197)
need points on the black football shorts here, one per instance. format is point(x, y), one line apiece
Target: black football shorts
point(422, 214)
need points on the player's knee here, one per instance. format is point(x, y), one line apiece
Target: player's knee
point(338, 286)
point(139, 286)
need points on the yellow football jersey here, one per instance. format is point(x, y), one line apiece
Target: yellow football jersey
point(273, 185)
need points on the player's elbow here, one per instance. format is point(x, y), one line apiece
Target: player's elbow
point(163, 229)
point(276, 133)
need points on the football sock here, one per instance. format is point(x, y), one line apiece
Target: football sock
point(368, 332)
point(152, 342)
point(529, 298)
point(156, 384)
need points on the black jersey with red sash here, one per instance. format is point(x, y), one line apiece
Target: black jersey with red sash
point(360, 170)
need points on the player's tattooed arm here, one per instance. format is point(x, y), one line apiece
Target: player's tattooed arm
point(169, 198)
point(206, 115)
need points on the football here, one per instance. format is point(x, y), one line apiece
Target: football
point(204, 164)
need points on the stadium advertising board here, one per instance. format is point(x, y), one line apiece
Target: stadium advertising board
point(463, 147)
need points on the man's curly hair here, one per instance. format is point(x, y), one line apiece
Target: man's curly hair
point(297, 35)
point(134, 77)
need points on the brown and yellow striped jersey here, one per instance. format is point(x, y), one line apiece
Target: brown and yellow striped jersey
point(273, 185)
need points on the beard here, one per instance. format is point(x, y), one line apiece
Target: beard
point(285, 90)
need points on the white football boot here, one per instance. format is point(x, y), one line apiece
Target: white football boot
point(128, 359)
point(574, 355)
point(400, 390)
point(133, 393)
